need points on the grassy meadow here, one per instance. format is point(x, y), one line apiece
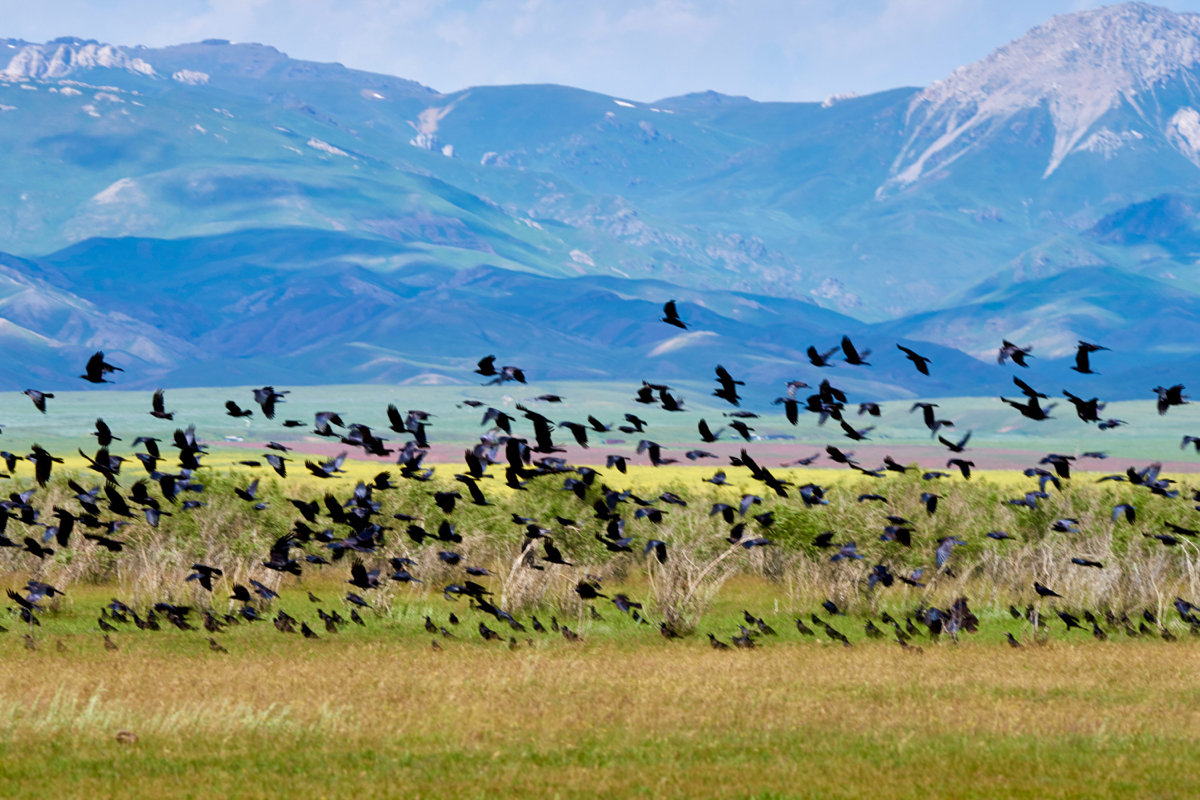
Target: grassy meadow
point(376, 712)
point(390, 709)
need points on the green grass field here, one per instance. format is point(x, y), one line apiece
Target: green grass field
point(376, 712)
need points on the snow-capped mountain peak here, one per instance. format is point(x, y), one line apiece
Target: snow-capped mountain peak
point(1078, 66)
point(61, 57)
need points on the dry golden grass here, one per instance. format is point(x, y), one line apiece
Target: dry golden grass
point(387, 718)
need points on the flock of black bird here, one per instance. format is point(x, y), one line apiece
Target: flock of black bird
point(352, 529)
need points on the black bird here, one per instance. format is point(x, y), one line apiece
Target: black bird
point(361, 578)
point(853, 356)
point(588, 591)
point(918, 360)
point(327, 468)
point(477, 496)
point(97, 368)
point(1008, 350)
point(645, 396)
point(818, 359)
point(850, 432)
point(267, 397)
point(42, 464)
point(963, 465)
point(791, 408)
point(509, 373)
point(1044, 591)
point(158, 408)
point(1070, 620)
point(671, 315)
point(1082, 366)
point(1167, 397)
point(669, 401)
point(668, 632)
point(637, 424)
point(66, 524)
point(248, 493)
point(929, 417)
point(745, 430)
point(1031, 409)
point(1027, 390)
point(553, 554)
point(956, 447)
point(728, 386)
point(1087, 410)
point(615, 461)
point(486, 366)
point(659, 548)
point(653, 450)
point(278, 463)
point(204, 575)
point(39, 398)
point(234, 410)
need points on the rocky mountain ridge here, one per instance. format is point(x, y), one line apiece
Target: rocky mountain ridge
point(319, 191)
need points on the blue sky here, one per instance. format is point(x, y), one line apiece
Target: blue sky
point(767, 49)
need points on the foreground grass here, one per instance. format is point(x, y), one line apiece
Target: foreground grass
point(376, 712)
point(375, 717)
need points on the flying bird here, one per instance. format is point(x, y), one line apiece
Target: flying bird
point(1085, 349)
point(818, 359)
point(671, 315)
point(1167, 397)
point(728, 388)
point(158, 407)
point(853, 356)
point(234, 410)
point(97, 368)
point(39, 398)
point(1008, 351)
point(267, 397)
point(918, 360)
point(1087, 410)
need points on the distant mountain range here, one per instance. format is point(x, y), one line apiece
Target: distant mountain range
point(218, 213)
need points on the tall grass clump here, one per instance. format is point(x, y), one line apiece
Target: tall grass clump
point(507, 537)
